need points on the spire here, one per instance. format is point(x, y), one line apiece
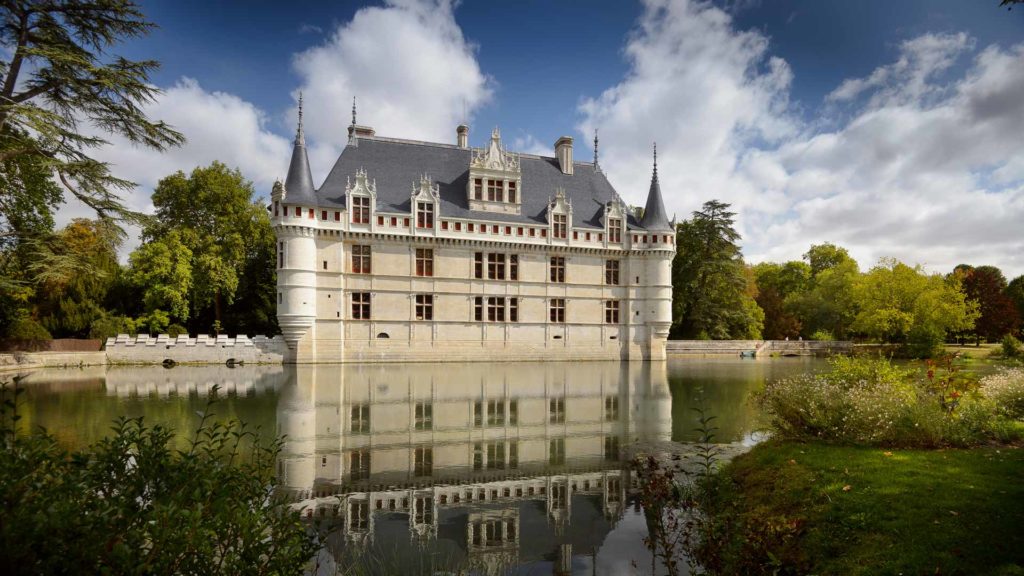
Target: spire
point(597, 167)
point(655, 218)
point(353, 110)
point(298, 185)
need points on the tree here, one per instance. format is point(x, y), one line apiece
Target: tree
point(61, 90)
point(711, 295)
point(986, 286)
point(162, 270)
point(777, 283)
point(826, 256)
point(828, 305)
point(901, 304)
point(1015, 292)
point(227, 232)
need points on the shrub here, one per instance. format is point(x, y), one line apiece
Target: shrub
point(823, 335)
point(131, 504)
point(27, 329)
point(108, 326)
point(174, 330)
point(1006, 391)
point(1012, 347)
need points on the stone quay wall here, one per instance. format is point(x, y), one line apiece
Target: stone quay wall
point(762, 348)
point(203, 349)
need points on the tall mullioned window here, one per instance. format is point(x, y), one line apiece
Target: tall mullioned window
point(361, 259)
point(496, 266)
point(557, 310)
point(614, 230)
point(424, 416)
point(495, 309)
point(559, 226)
point(424, 262)
point(478, 265)
point(611, 311)
point(557, 269)
point(513, 309)
point(361, 210)
point(359, 464)
point(424, 306)
point(360, 305)
point(611, 272)
point(512, 192)
point(513, 267)
point(494, 190)
point(478, 189)
point(424, 215)
point(424, 462)
point(360, 419)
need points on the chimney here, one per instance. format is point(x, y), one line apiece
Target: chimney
point(463, 135)
point(563, 151)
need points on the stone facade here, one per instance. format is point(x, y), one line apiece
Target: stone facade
point(203, 349)
point(414, 251)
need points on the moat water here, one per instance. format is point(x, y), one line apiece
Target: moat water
point(514, 468)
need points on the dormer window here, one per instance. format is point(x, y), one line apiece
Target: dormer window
point(495, 179)
point(494, 190)
point(614, 230)
point(558, 226)
point(512, 192)
point(360, 210)
point(424, 215)
point(478, 189)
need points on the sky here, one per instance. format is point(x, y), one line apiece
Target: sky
point(893, 129)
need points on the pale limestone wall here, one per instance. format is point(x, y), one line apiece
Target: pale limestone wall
point(31, 360)
point(203, 349)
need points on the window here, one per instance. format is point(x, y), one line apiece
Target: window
point(557, 269)
point(513, 309)
point(513, 412)
point(380, 220)
point(394, 221)
point(556, 410)
point(495, 412)
point(424, 262)
point(298, 211)
point(276, 207)
point(494, 190)
point(513, 267)
point(558, 310)
point(325, 268)
point(611, 447)
point(458, 226)
point(478, 456)
point(512, 192)
point(508, 230)
point(611, 408)
point(478, 189)
point(424, 416)
point(337, 216)
point(478, 309)
point(360, 464)
point(556, 452)
point(360, 305)
point(312, 214)
point(611, 272)
point(575, 235)
point(559, 228)
point(424, 507)
point(280, 254)
point(533, 232)
point(323, 214)
point(444, 225)
point(496, 266)
point(405, 222)
point(495, 309)
point(424, 462)
point(478, 266)
point(469, 227)
point(424, 215)
point(280, 297)
point(360, 419)
point(361, 259)
point(478, 414)
point(496, 455)
point(424, 306)
point(614, 230)
point(611, 311)
point(359, 514)
point(361, 210)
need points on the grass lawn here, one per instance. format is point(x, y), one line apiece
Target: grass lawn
point(826, 509)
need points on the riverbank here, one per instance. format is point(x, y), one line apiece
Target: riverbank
point(817, 508)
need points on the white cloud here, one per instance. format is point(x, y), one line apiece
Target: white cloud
point(914, 164)
point(408, 64)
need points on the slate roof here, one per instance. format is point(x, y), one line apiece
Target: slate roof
point(655, 217)
point(299, 183)
point(397, 165)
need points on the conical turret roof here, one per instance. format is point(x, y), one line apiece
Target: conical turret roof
point(655, 217)
point(298, 185)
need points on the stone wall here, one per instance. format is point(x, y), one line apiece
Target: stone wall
point(16, 361)
point(763, 348)
point(203, 349)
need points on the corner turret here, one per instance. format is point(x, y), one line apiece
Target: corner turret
point(298, 185)
point(655, 219)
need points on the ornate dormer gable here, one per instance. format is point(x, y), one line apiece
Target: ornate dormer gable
point(559, 214)
point(495, 179)
point(361, 198)
point(425, 203)
point(614, 219)
point(277, 192)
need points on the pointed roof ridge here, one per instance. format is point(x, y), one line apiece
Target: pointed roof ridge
point(298, 186)
point(655, 217)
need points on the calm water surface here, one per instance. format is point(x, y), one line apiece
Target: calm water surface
point(489, 466)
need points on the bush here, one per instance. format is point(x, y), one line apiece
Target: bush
point(27, 329)
point(174, 330)
point(110, 326)
point(130, 504)
point(1006, 391)
point(1012, 347)
point(871, 401)
point(822, 335)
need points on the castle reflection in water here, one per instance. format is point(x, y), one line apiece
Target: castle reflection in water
point(507, 463)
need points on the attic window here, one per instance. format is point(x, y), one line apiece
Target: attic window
point(575, 235)
point(298, 211)
point(478, 189)
point(519, 231)
point(458, 226)
point(444, 225)
point(337, 216)
point(380, 220)
point(394, 221)
point(559, 225)
point(360, 210)
point(512, 192)
point(533, 232)
point(323, 214)
point(508, 230)
point(312, 215)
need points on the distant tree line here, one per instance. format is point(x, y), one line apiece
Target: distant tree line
point(826, 296)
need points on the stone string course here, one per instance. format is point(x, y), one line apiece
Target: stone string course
point(203, 349)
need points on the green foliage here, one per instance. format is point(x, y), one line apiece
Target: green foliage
point(162, 270)
point(872, 401)
point(27, 329)
point(986, 286)
point(712, 295)
point(175, 330)
point(109, 326)
point(1006, 391)
point(827, 256)
point(822, 335)
point(829, 303)
point(900, 304)
point(777, 286)
point(131, 504)
point(1011, 347)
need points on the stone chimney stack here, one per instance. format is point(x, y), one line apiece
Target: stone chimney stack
point(463, 136)
point(563, 151)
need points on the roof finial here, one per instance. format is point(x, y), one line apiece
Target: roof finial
point(353, 110)
point(655, 159)
point(595, 148)
point(300, 137)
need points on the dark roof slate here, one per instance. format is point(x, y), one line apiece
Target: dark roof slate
point(298, 185)
point(655, 217)
point(397, 165)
